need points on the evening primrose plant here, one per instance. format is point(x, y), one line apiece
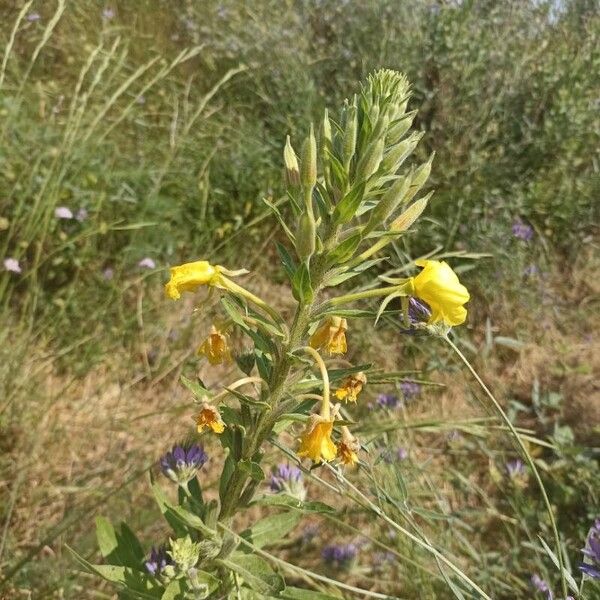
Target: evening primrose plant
point(350, 195)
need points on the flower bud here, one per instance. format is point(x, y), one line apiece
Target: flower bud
point(306, 236)
point(389, 203)
point(399, 128)
point(419, 178)
point(370, 161)
point(309, 160)
point(349, 141)
point(400, 152)
point(292, 170)
point(185, 553)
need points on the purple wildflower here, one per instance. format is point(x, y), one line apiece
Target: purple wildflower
point(402, 453)
point(531, 270)
point(522, 231)
point(591, 552)
point(382, 558)
point(410, 389)
point(82, 214)
point(418, 310)
point(309, 533)
point(340, 555)
point(108, 14)
point(12, 265)
point(147, 263)
point(541, 586)
point(32, 17)
point(181, 464)
point(287, 479)
point(389, 456)
point(63, 212)
point(387, 401)
point(108, 273)
point(515, 468)
point(158, 560)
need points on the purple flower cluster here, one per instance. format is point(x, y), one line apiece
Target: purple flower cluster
point(515, 468)
point(591, 552)
point(387, 401)
point(541, 585)
point(522, 231)
point(158, 560)
point(181, 464)
point(287, 479)
point(418, 310)
point(390, 456)
point(340, 555)
point(410, 389)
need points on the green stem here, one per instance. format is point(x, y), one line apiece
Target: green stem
point(361, 295)
point(325, 405)
point(526, 455)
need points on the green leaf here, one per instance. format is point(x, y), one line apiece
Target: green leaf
point(138, 584)
point(228, 469)
point(173, 591)
point(178, 516)
point(256, 572)
point(301, 285)
point(568, 577)
point(195, 387)
point(286, 260)
point(106, 537)
point(247, 399)
point(271, 529)
point(252, 469)
point(345, 251)
point(348, 205)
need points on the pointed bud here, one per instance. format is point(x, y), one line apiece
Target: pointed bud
point(370, 161)
point(419, 178)
point(306, 236)
point(349, 142)
point(309, 160)
point(292, 170)
point(389, 203)
point(399, 128)
point(400, 152)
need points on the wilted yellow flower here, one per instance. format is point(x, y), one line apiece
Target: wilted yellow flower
point(316, 442)
point(190, 276)
point(210, 417)
point(348, 448)
point(438, 285)
point(331, 335)
point(351, 387)
point(215, 347)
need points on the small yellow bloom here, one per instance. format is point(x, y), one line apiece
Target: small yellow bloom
point(348, 448)
point(438, 285)
point(316, 442)
point(188, 277)
point(331, 335)
point(215, 347)
point(351, 387)
point(210, 417)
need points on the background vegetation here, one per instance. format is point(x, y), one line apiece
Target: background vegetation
point(161, 125)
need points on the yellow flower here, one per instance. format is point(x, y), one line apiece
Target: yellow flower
point(215, 347)
point(188, 277)
point(348, 448)
point(351, 387)
point(316, 442)
point(331, 335)
point(438, 285)
point(210, 417)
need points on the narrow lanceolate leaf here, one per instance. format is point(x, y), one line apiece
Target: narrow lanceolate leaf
point(271, 529)
point(410, 215)
point(256, 572)
point(348, 205)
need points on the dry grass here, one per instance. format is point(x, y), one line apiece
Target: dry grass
point(79, 440)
